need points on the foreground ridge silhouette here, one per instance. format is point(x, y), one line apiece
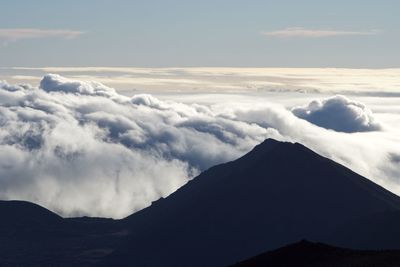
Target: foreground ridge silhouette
point(309, 254)
point(277, 194)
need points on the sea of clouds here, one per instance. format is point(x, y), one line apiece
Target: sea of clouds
point(81, 148)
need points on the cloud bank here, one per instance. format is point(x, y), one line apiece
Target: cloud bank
point(80, 148)
point(376, 82)
point(340, 114)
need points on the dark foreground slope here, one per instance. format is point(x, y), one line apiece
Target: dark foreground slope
point(308, 254)
point(276, 194)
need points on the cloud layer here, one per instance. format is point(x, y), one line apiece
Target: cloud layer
point(378, 82)
point(340, 114)
point(80, 148)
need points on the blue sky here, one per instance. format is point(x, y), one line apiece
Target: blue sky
point(352, 34)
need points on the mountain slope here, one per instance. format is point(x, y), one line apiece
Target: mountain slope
point(276, 194)
point(375, 231)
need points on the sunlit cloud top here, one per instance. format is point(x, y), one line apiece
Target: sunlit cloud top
point(378, 82)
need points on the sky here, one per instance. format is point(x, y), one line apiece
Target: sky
point(309, 33)
point(106, 106)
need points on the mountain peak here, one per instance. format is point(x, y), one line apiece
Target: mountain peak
point(271, 143)
point(276, 194)
point(273, 150)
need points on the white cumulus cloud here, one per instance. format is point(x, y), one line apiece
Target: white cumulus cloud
point(340, 114)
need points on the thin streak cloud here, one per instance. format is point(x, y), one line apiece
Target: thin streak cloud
point(292, 32)
point(16, 34)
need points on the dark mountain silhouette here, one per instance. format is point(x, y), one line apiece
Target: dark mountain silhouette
point(308, 254)
point(275, 195)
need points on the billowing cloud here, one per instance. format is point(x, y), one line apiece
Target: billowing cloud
point(57, 83)
point(80, 148)
point(338, 113)
point(314, 33)
point(16, 34)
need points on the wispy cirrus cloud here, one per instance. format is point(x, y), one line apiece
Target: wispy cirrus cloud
point(292, 32)
point(8, 35)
